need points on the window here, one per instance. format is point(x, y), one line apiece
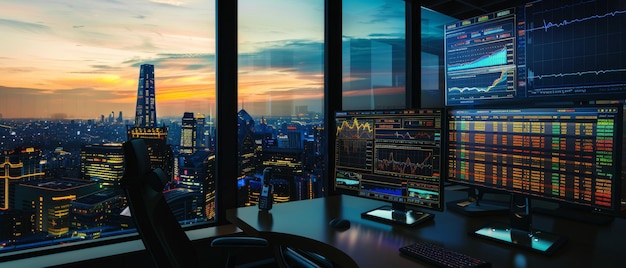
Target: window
point(432, 54)
point(374, 57)
point(70, 90)
point(65, 109)
point(281, 94)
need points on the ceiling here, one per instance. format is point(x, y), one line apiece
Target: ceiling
point(463, 9)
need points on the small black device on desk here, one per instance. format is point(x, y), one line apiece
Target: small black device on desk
point(267, 196)
point(339, 223)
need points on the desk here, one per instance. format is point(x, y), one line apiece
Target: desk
point(374, 244)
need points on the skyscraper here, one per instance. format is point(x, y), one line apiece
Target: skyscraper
point(201, 137)
point(145, 111)
point(245, 136)
point(145, 126)
point(295, 135)
point(188, 134)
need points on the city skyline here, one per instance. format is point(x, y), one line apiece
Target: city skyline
point(79, 60)
point(91, 64)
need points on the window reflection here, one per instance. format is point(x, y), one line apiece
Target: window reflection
point(281, 98)
point(374, 60)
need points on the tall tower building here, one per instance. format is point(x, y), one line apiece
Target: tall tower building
point(201, 137)
point(145, 111)
point(145, 126)
point(247, 147)
point(188, 135)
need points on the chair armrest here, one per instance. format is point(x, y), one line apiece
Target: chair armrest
point(239, 242)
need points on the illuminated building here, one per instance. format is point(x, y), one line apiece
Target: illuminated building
point(247, 160)
point(145, 126)
point(14, 224)
point(304, 188)
point(193, 175)
point(188, 137)
point(247, 147)
point(286, 165)
point(295, 134)
point(17, 166)
point(209, 196)
point(202, 136)
point(283, 141)
point(309, 185)
point(281, 191)
point(183, 203)
point(50, 202)
point(103, 163)
point(145, 113)
point(98, 210)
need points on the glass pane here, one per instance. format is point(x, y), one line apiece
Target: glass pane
point(280, 92)
point(432, 28)
point(77, 79)
point(374, 60)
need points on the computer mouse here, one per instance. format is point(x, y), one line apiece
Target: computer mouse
point(339, 223)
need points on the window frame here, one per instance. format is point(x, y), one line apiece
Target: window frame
point(226, 118)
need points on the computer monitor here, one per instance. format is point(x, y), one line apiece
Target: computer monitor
point(569, 156)
point(543, 51)
point(394, 156)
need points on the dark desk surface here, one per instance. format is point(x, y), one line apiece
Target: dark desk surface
point(374, 244)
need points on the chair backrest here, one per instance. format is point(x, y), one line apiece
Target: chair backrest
point(164, 239)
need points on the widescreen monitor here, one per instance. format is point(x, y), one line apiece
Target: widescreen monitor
point(569, 156)
point(568, 51)
point(393, 156)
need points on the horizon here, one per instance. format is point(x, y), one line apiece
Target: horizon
point(81, 59)
point(68, 59)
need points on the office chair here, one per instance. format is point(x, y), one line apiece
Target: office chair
point(167, 243)
point(161, 234)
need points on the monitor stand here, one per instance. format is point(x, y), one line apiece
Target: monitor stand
point(474, 205)
point(397, 214)
point(574, 214)
point(519, 232)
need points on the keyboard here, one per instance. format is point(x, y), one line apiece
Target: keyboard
point(440, 256)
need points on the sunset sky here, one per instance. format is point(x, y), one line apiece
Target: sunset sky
point(80, 59)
